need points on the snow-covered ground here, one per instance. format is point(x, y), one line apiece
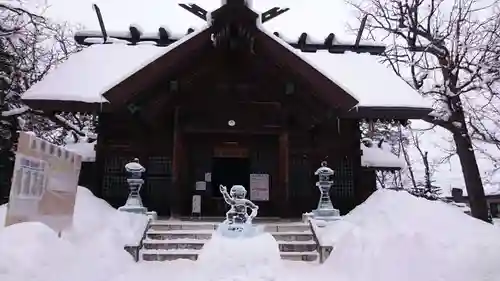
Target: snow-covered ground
point(393, 236)
point(396, 236)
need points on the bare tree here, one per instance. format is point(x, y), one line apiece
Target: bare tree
point(30, 46)
point(444, 48)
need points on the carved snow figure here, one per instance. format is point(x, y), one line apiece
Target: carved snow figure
point(239, 204)
point(238, 222)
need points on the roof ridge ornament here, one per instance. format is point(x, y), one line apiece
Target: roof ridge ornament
point(162, 38)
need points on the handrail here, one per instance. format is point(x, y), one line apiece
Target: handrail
point(135, 249)
point(323, 250)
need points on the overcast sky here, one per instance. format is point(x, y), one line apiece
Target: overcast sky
point(317, 17)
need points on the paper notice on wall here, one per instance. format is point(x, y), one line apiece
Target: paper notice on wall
point(208, 177)
point(201, 186)
point(196, 204)
point(259, 187)
point(44, 184)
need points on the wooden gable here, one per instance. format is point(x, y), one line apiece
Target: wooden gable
point(232, 26)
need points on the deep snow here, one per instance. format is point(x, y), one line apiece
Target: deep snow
point(393, 236)
point(396, 236)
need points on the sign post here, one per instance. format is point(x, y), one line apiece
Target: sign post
point(44, 184)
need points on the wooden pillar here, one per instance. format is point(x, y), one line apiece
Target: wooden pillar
point(100, 152)
point(175, 193)
point(283, 174)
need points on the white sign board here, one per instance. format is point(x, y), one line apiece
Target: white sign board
point(208, 177)
point(44, 184)
point(196, 208)
point(201, 185)
point(259, 187)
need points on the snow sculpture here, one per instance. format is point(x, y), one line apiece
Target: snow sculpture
point(325, 210)
point(238, 223)
point(135, 182)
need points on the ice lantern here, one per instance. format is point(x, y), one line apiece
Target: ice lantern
point(134, 202)
point(325, 210)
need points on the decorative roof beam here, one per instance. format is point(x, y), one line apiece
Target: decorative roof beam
point(162, 38)
point(329, 45)
point(135, 34)
point(101, 22)
point(272, 13)
point(195, 10)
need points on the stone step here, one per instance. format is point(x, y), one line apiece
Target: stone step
point(193, 244)
point(181, 225)
point(207, 234)
point(179, 234)
point(168, 255)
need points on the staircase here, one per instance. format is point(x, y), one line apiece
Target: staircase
point(169, 240)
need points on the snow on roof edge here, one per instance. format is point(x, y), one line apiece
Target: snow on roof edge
point(154, 58)
point(51, 87)
point(299, 55)
point(360, 96)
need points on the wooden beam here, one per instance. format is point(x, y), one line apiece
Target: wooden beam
point(175, 194)
point(283, 173)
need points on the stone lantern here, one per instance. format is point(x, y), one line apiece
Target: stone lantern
point(325, 210)
point(135, 182)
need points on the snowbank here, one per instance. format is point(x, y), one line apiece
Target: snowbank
point(29, 251)
point(3, 212)
point(255, 258)
point(95, 218)
point(396, 236)
point(91, 250)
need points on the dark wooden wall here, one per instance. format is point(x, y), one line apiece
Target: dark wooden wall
point(122, 137)
point(173, 127)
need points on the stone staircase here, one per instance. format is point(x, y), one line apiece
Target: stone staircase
point(170, 240)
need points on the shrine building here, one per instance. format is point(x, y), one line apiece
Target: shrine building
point(230, 103)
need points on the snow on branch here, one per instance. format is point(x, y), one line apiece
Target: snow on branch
point(15, 111)
point(63, 121)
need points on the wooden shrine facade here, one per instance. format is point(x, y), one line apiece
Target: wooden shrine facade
point(229, 117)
point(228, 102)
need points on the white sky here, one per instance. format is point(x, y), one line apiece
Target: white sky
point(317, 17)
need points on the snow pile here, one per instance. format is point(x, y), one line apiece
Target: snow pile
point(3, 213)
point(396, 236)
point(32, 251)
point(253, 258)
point(95, 219)
point(91, 250)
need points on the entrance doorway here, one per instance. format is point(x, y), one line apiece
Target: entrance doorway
point(229, 172)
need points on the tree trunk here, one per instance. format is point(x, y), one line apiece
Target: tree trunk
point(472, 177)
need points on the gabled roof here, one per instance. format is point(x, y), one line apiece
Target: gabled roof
point(113, 73)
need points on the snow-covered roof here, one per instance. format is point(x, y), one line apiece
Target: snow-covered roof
point(88, 74)
point(361, 76)
point(85, 149)
point(379, 157)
